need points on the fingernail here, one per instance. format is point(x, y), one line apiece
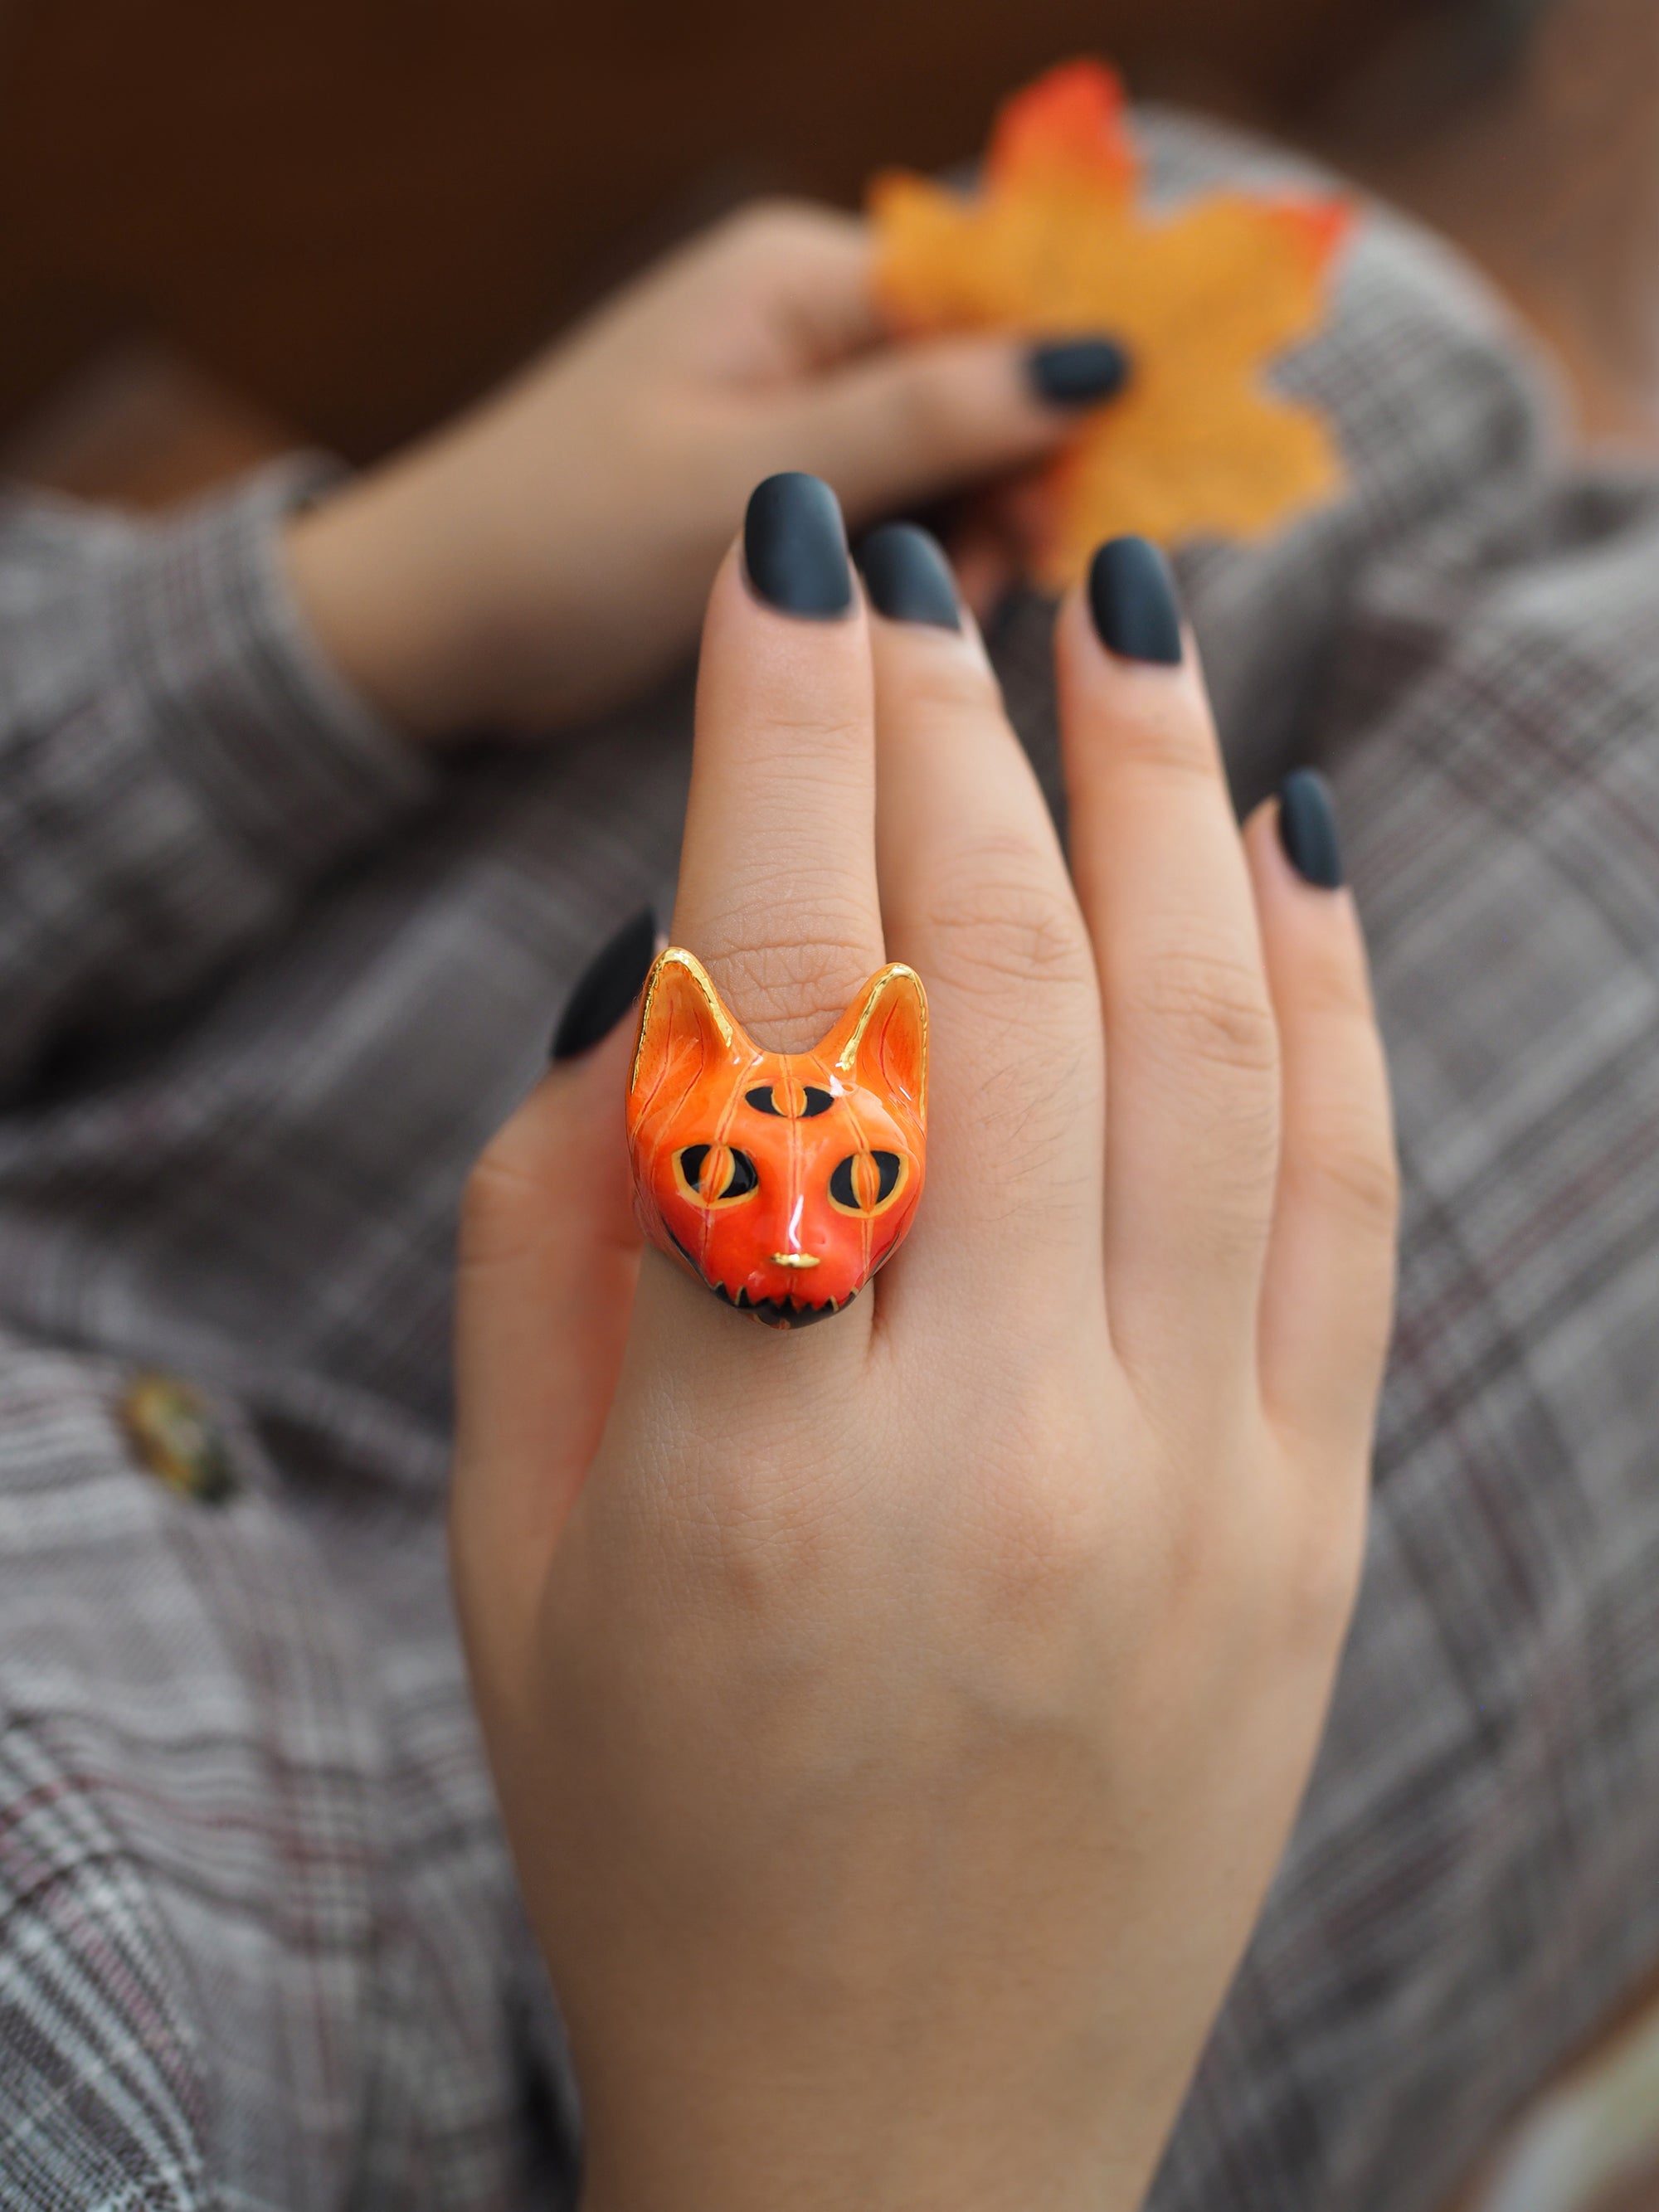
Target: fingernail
point(908, 576)
point(610, 982)
point(1078, 372)
point(1132, 597)
point(794, 546)
point(1307, 829)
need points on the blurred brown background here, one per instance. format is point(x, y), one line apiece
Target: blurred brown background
point(225, 227)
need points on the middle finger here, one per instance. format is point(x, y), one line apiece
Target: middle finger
point(777, 890)
point(976, 898)
point(1192, 1133)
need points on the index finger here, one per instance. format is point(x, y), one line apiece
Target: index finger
point(777, 890)
point(778, 901)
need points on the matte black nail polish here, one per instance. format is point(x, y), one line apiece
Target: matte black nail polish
point(794, 546)
point(1307, 829)
point(1132, 597)
point(610, 984)
point(908, 576)
point(1078, 372)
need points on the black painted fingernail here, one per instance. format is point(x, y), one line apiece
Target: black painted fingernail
point(794, 546)
point(1078, 372)
point(1132, 597)
point(610, 983)
point(1307, 829)
point(908, 576)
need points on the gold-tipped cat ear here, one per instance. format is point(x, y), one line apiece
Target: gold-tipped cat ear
point(782, 1181)
point(881, 1041)
point(681, 1013)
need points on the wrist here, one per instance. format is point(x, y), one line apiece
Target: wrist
point(383, 579)
point(761, 2159)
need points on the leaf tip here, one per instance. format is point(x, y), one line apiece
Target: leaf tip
point(1072, 120)
point(1319, 229)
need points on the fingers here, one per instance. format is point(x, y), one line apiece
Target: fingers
point(913, 420)
point(778, 899)
point(549, 1258)
point(814, 266)
point(777, 890)
point(886, 423)
point(976, 898)
point(1328, 1295)
point(1192, 1056)
point(792, 282)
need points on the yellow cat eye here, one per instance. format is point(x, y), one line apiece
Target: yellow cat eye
point(790, 1102)
point(867, 1183)
point(714, 1175)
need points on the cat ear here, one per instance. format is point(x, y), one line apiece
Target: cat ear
point(684, 1028)
point(881, 1041)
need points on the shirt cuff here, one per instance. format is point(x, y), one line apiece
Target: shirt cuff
point(282, 753)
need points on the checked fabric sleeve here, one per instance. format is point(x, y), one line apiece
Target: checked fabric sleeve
point(178, 764)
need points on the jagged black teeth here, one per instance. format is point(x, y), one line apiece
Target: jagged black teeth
point(793, 1313)
point(781, 1313)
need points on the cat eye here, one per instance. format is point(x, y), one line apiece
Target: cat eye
point(867, 1182)
point(715, 1175)
point(800, 1102)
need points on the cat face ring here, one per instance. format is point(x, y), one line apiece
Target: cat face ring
point(782, 1180)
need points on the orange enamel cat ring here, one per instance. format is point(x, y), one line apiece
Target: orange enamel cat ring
point(783, 1180)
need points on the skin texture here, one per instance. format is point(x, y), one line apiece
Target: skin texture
point(868, 1716)
point(548, 555)
point(898, 1723)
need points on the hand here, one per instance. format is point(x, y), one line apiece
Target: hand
point(897, 1724)
point(550, 555)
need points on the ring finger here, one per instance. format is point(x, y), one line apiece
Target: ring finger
point(1191, 1139)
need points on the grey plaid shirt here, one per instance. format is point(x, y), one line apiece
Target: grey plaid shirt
point(266, 984)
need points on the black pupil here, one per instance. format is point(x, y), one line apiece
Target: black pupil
point(741, 1181)
point(887, 1175)
point(817, 1101)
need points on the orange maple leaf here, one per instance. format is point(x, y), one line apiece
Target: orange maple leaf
point(1056, 242)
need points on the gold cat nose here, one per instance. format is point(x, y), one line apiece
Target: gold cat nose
point(795, 1260)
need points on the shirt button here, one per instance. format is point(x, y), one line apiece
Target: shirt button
point(174, 1435)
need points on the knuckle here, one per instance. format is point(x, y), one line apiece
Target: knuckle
point(803, 986)
point(1211, 1007)
point(1333, 995)
point(1158, 728)
point(497, 1205)
point(1040, 1537)
point(1344, 1159)
point(937, 411)
point(1003, 918)
point(772, 224)
point(744, 1550)
point(765, 1530)
point(911, 417)
point(805, 735)
point(943, 686)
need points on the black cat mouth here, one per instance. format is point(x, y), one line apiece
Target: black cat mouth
point(782, 1313)
point(776, 1313)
